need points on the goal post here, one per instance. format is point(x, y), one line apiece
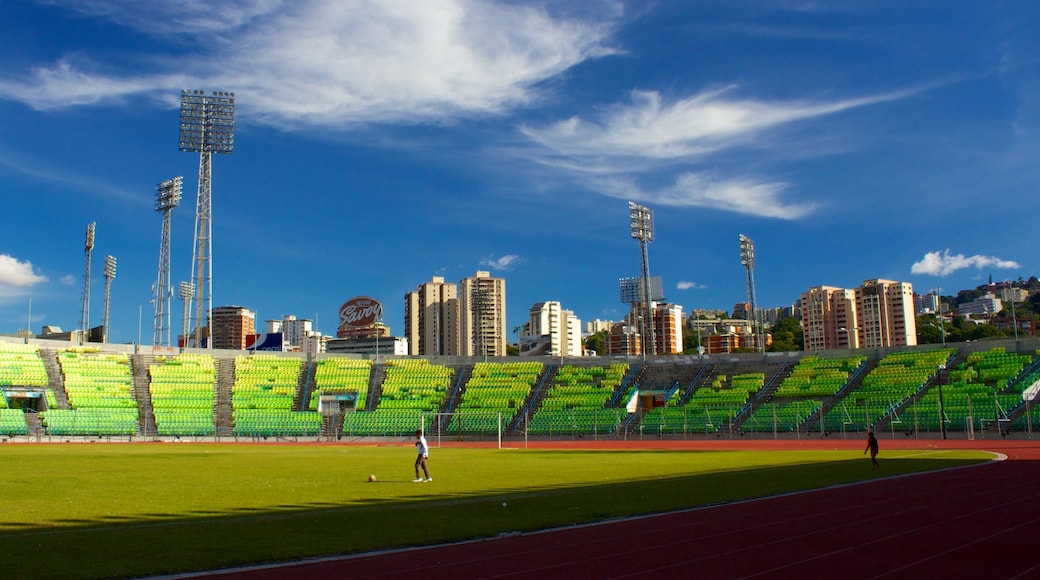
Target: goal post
point(466, 426)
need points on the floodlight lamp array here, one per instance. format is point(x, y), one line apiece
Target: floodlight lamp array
point(168, 194)
point(186, 291)
point(207, 122)
point(641, 219)
point(90, 238)
point(110, 267)
point(747, 252)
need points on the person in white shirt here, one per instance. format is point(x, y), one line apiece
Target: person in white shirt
point(424, 454)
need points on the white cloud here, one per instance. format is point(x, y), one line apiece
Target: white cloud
point(648, 134)
point(503, 263)
point(648, 127)
point(173, 17)
point(684, 285)
point(16, 277)
point(68, 280)
point(741, 196)
point(944, 264)
point(329, 62)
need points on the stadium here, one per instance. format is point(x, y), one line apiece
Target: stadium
point(277, 451)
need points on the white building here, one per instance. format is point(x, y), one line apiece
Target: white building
point(551, 330)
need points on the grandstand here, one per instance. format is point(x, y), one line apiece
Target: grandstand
point(53, 389)
point(577, 402)
point(803, 393)
point(978, 393)
point(897, 377)
point(182, 393)
point(412, 390)
point(263, 395)
point(493, 395)
point(99, 387)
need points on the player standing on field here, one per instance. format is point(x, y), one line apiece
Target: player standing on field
point(872, 447)
point(424, 454)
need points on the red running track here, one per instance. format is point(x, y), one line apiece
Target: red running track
point(964, 523)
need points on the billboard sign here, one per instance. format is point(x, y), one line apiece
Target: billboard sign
point(265, 341)
point(359, 312)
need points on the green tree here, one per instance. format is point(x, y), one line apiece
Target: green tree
point(787, 335)
point(597, 342)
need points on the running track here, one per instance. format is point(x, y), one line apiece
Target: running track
point(965, 523)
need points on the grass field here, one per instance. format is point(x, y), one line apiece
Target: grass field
point(91, 511)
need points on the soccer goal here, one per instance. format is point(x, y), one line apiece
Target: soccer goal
point(466, 426)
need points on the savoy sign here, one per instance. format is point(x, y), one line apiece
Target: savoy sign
point(360, 312)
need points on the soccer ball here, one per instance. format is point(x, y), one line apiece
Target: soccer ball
point(371, 477)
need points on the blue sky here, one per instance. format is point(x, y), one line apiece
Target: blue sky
point(379, 144)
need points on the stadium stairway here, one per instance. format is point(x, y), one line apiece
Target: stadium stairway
point(534, 400)
point(375, 386)
point(222, 412)
point(32, 420)
point(702, 379)
point(55, 377)
point(451, 401)
point(617, 399)
point(776, 375)
point(304, 384)
point(829, 402)
point(884, 422)
point(139, 364)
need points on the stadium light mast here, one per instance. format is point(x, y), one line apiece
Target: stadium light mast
point(747, 259)
point(207, 127)
point(641, 219)
point(110, 274)
point(84, 313)
point(167, 197)
point(186, 293)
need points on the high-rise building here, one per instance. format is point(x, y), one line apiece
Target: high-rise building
point(294, 330)
point(668, 328)
point(432, 319)
point(560, 328)
point(829, 318)
point(232, 326)
point(482, 315)
point(885, 311)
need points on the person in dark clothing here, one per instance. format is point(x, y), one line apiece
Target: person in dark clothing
point(872, 447)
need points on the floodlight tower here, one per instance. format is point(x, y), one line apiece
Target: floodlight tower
point(84, 313)
point(167, 197)
point(110, 274)
point(641, 219)
point(186, 293)
point(747, 259)
point(207, 127)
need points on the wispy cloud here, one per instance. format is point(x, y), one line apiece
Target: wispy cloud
point(943, 263)
point(649, 135)
point(742, 196)
point(504, 263)
point(328, 62)
point(16, 277)
point(649, 127)
point(684, 285)
point(40, 170)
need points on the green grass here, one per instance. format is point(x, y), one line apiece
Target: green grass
point(92, 511)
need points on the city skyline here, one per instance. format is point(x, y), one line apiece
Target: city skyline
point(378, 145)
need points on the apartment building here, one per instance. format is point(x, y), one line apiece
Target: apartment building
point(885, 312)
point(557, 330)
point(432, 319)
point(232, 326)
point(829, 318)
point(482, 315)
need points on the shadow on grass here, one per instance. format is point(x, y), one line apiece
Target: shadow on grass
point(165, 543)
